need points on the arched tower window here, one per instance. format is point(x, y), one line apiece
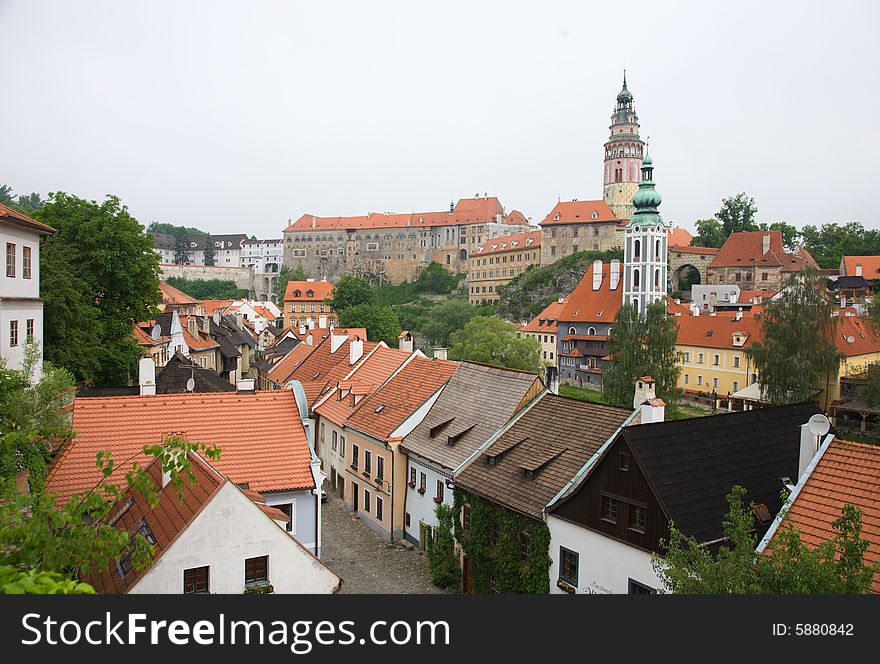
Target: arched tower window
point(591, 331)
point(636, 279)
point(571, 330)
point(657, 250)
point(657, 278)
point(637, 249)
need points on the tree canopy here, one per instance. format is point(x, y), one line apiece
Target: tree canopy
point(737, 214)
point(380, 321)
point(99, 276)
point(171, 229)
point(287, 274)
point(351, 291)
point(828, 243)
point(208, 289)
point(491, 340)
point(796, 354)
point(710, 233)
point(444, 318)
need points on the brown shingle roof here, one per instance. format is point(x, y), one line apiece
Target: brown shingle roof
point(561, 432)
point(478, 400)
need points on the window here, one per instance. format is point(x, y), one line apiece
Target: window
point(380, 468)
point(334, 439)
point(440, 491)
point(686, 379)
point(412, 477)
point(568, 566)
point(609, 507)
point(637, 518)
point(466, 518)
point(716, 360)
point(736, 361)
point(636, 588)
point(699, 358)
point(379, 506)
point(354, 456)
point(368, 462)
point(13, 333)
point(715, 383)
point(29, 330)
point(623, 461)
point(256, 570)
point(699, 380)
point(26, 262)
point(287, 508)
point(10, 260)
point(322, 432)
point(735, 386)
point(407, 520)
point(342, 445)
point(525, 547)
point(196, 580)
point(423, 482)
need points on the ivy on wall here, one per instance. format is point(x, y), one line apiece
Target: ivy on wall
point(502, 560)
point(442, 560)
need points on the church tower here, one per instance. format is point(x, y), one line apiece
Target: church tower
point(623, 156)
point(644, 249)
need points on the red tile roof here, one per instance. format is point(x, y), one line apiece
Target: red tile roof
point(210, 305)
point(546, 322)
point(11, 216)
point(855, 337)
point(746, 249)
point(717, 331)
point(515, 242)
point(260, 434)
point(870, 266)
point(175, 296)
point(281, 371)
point(386, 409)
point(320, 290)
point(577, 212)
point(679, 249)
point(517, 218)
point(679, 237)
point(594, 306)
point(847, 473)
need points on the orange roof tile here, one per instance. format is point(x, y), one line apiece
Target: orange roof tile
point(679, 237)
point(11, 216)
point(387, 408)
point(517, 218)
point(515, 242)
point(320, 291)
point(175, 296)
point(746, 249)
point(546, 322)
point(847, 473)
point(594, 306)
point(281, 371)
point(855, 337)
point(260, 434)
point(210, 305)
point(577, 212)
point(870, 266)
point(717, 331)
point(681, 249)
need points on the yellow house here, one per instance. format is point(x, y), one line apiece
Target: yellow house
point(544, 327)
point(305, 301)
point(858, 345)
point(497, 261)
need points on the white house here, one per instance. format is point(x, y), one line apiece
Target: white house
point(21, 309)
point(212, 538)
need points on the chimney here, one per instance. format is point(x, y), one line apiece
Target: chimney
point(615, 274)
point(440, 353)
point(739, 314)
point(843, 301)
point(192, 325)
point(336, 340)
point(246, 385)
point(217, 315)
point(147, 376)
point(322, 322)
point(551, 379)
point(406, 341)
point(302, 329)
point(651, 409)
point(809, 447)
point(597, 275)
point(766, 243)
point(355, 350)
point(858, 269)
point(310, 341)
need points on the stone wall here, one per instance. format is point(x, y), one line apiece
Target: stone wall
point(559, 240)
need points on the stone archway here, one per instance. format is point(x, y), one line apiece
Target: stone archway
point(685, 276)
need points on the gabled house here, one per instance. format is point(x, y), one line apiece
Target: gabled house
point(755, 260)
point(264, 443)
point(213, 537)
point(477, 401)
point(176, 300)
point(306, 301)
point(501, 489)
point(235, 346)
point(606, 524)
point(544, 328)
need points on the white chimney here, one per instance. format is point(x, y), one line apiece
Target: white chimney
point(615, 274)
point(551, 379)
point(310, 341)
point(406, 341)
point(311, 323)
point(440, 353)
point(809, 447)
point(766, 243)
point(245, 385)
point(597, 275)
point(336, 340)
point(217, 315)
point(843, 301)
point(739, 314)
point(355, 350)
point(651, 408)
point(695, 310)
point(644, 391)
point(147, 376)
point(302, 329)
point(858, 269)
point(322, 322)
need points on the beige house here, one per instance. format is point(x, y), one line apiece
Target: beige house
point(499, 260)
point(544, 328)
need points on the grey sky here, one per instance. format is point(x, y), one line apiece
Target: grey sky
point(235, 116)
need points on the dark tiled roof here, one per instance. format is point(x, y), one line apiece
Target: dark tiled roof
point(560, 432)
point(849, 282)
point(177, 371)
point(477, 401)
point(692, 464)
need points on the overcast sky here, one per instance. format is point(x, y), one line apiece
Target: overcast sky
point(237, 116)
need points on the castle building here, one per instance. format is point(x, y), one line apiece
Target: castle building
point(645, 245)
point(623, 157)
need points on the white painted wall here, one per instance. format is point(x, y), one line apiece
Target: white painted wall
point(29, 306)
point(421, 507)
point(18, 286)
point(604, 566)
point(229, 530)
point(304, 517)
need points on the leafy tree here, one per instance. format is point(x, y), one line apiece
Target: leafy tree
point(836, 566)
point(642, 346)
point(444, 318)
point(796, 352)
point(710, 233)
point(7, 196)
point(491, 340)
point(99, 276)
point(436, 279)
point(380, 321)
point(737, 214)
point(790, 233)
point(171, 229)
point(830, 242)
point(181, 248)
point(209, 250)
point(208, 289)
point(14, 581)
point(24, 203)
point(351, 291)
point(286, 274)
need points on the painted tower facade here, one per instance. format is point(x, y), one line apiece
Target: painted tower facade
point(645, 245)
point(623, 157)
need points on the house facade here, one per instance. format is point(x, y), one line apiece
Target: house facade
point(755, 260)
point(544, 328)
point(573, 226)
point(309, 304)
point(497, 261)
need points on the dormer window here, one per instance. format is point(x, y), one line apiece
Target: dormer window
point(594, 215)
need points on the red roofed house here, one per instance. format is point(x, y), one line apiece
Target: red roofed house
point(497, 261)
point(395, 247)
point(573, 226)
point(544, 328)
point(585, 323)
point(263, 441)
point(756, 259)
point(213, 537)
point(175, 299)
point(304, 301)
point(860, 266)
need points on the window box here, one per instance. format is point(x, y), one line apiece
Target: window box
point(438, 499)
point(566, 586)
point(422, 490)
point(412, 485)
point(260, 588)
point(365, 474)
point(378, 480)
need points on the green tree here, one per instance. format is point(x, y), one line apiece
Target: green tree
point(171, 229)
point(24, 203)
point(444, 318)
point(491, 340)
point(99, 276)
point(789, 566)
point(796, 354)
point(182, 255)
point(208, 289)
point(642, 346)
point(737, 214)
point(380, 321)
point(209, 250)
point(436, 279)
point(790, 234)
point(710, 233)
point(830, 242)
point(284, 275)
point(351, 291)
point(15, 581)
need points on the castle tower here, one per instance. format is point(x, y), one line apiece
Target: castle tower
point(645, 245)
point(623, 156)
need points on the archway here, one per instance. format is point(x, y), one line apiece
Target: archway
point(684, 277)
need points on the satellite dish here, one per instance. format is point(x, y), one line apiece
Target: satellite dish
point(156, 332)
point(818, 425)
point(190, 385)
point(851, 339)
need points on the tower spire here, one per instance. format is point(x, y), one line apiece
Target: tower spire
point(623, 156)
